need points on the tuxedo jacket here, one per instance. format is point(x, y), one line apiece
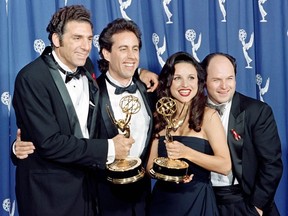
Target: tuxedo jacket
point(54, 179)
point(123, 199)
point(256, 156)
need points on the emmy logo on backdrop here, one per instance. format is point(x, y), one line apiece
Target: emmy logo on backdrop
point(167, 11)
point(246, 46)
point(159, 50)
point(96, 42)
point(128, 170)
point(123, 7)
point(167, 169)
point(39, 46)
point(222, 8)
point(263, 90)
point(7, 206)
point(190, 35)
point(6, 100)
point(262, 11)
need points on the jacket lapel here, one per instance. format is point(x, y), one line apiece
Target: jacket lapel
point(73, 119)
point(104, 103)
point(93, 104)
point(236, 126)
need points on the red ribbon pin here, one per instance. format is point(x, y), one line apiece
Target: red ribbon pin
point(235, 135)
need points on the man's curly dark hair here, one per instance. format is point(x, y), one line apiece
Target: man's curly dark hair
point(66, 14)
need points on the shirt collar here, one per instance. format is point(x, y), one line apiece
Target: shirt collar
point(211, 102)
point(61, 64)
point(117, 82)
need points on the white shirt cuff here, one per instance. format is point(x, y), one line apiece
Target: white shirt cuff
point(111, 152)
point(13, 148)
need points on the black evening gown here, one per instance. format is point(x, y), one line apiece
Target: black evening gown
point(193, 198)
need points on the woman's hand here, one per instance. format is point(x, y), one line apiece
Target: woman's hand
point(176, 149)
point(188, 178)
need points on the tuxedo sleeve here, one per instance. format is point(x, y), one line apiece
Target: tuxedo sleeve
point(268, 149)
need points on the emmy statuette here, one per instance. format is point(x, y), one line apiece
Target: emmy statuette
point(167, 169)
point(128, 170)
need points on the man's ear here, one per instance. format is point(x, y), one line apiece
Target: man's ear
point(56, 40)
point(106, 54)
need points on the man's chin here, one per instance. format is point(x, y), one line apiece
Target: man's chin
point(129, 73)
point(222, 100)
point(81, 62)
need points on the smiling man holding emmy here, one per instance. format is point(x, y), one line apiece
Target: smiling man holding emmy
point(120, 44)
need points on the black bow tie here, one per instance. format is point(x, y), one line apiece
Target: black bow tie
point(69, 75)
point(132, 88)
point(219, 108)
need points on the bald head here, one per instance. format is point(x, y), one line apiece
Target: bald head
point(220, 77)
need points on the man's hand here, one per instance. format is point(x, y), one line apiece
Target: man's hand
point(122, 146)
point(22, 149)
point(150, 79)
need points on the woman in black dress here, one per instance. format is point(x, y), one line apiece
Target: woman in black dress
point(199, 139)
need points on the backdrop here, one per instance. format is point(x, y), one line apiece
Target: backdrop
point(254, 32)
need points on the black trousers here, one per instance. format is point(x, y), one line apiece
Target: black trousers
point(231, 201)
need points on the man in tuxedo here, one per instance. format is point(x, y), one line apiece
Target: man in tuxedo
point(56, 105)
point(120, 44)
point(253, 141)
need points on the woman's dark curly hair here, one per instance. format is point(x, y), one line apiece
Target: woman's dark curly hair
point(105, 39)
point(198, 103)
point(59, 20)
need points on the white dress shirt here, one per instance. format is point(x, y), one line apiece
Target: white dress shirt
point(216, 178)
point(78, 90)
point(139, 123)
